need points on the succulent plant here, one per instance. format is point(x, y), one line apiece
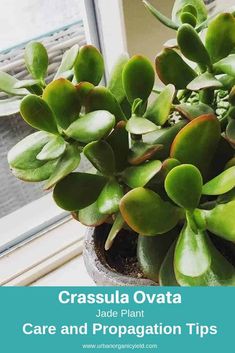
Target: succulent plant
point(162, 166)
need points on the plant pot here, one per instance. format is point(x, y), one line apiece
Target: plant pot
point(110, 268)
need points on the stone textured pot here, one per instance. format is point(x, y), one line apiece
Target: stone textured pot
point(97, 267)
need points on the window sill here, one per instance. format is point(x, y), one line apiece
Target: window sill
point(43, 254)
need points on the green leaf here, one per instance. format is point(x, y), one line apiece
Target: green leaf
point(100, 98)
point(187, 17)
point(179, 181)
point(36, 60)
point(101, 156)
point(53, 149)
point(68, 60)
point(90, 216)
point(220, 37)
point(167, 273)
point(89, 65)
point(196, 143)
point(63, 99)
point(78, 190)
point(166, 62)
point(226, 65)
point(66, 164)
point(36, 174)
point(191, 45)
point(115, 84)
point(84, 88)
point(138, 67)
point(158, 112)
point(146, 213)
point(220, 184)
point(140, 126)
point(206, 80)
point(26, 83)
point(151, 252)
point(118, 140)
point(140, 175)
point(116, 227)
point(141, 152)
point(162, 18)
point(109, 198)
point(221, 221)
point(37, 113)
point(192, 111)
point(23, 154)
point(198, 263)
point(197, 4)
point(165, 137)
point(7, 85)
point(230, 132)
point(92, 126)
point(9, 106)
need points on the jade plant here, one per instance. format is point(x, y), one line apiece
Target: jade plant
point(161, 157)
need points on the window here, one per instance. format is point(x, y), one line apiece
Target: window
point(25, 209)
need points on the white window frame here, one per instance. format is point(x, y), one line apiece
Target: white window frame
point(36, 224)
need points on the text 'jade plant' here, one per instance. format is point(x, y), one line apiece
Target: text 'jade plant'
point(164, 167)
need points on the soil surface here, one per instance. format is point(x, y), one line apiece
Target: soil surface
point(122, 255)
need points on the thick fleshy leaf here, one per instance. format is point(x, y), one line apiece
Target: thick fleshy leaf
point(118, 140)
point(141, 152)
point(183, 185)
point(9, 106)
point(167, 273)
point(66, 164)
point(100, 98)
point(162, 18)
point(166, 62)
point(109, 198)
point(158, 112)
point(220, 36)
point(221, 221)
point(67, 61)
point(146, 213)
point(26, 83)
point(191, 45)
point(7, 85)
point(187, 17)
point(196, 143)
point(84, 88)
point(140, 126)
point(53, 149)
point(192, 111)
point(226, 65)
point(101, 156)
point(91, 217)
point(36, 60)
point(37, 113)
point(92, 126)
point(115, 84)
point(36, 174)
point(230, 132)
point(138, 78)
point(63, 99)
point(206, 80)
point(220, 184)
point(116, 227)
point(151, 252)
point(198, 263)
point(197, 4)
point(89, 65)
point(23, 154)
point(140, 175)
point(165, 137)
point(78, 190)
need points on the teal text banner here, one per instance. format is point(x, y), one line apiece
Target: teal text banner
point(113, 319)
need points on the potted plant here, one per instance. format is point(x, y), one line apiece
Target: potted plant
point(160, 194)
